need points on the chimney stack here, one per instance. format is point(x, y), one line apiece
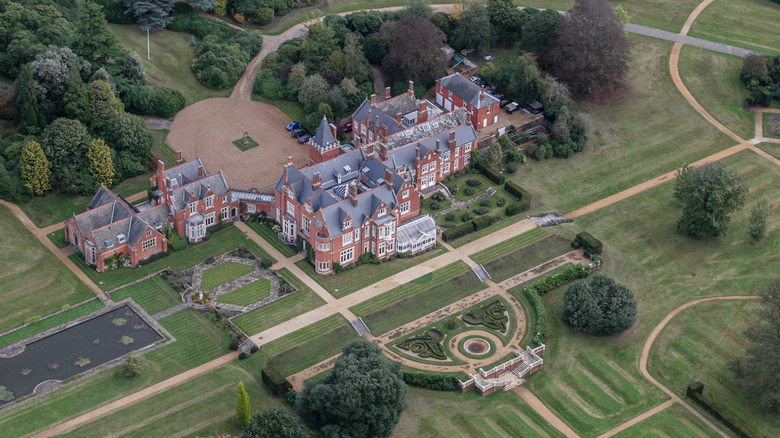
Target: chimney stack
point(201, 171)
point(398, 119)
point(357, 141)
point(376, 121)
point(422, 111)
point(334, 131)
point(178, 156)
point(411, 87)
point(353, 193)
point(373, 100)
point(468, 119)
point(451, 141)
point(286, 173)
point(368, 119)
point(316, 180)
point(370, 150)
point(438, 146)
point(160, 165)
point(389, 177)
point(416, 155)
point(384, 130)
point(383, 151)
point(387, 92)
point(290, 161)
point(481, 95)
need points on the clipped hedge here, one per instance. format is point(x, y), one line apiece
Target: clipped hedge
point(590, 243)
point(524, 199)
point(560, 278)
point(482, 222)
point(455, 232)
point(436, 382)
point(515, 190)
point(540, 330)
point(275, 381)
point(490, 174)
point(695, 392)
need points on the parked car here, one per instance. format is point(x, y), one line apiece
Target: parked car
point(504, 102)
point(304, 138)
point(293, 125)
point(500, 96)
point(347, 128)
point(534, 107)
point(297, 132)
point(512, 107)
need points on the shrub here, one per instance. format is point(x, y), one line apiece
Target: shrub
point(452, 324)
point(239, 18)
point(465, 217)
point(515, 190)
point(511, 167)
point(490, 174)
point(254, 349)
point(485, 202)
point(481, 210)
point(500, 202)
point(558, 279)
point(482, 222)
point(473, 182)
point(455, 232)
point(521, 195)
point(540, 330)
point(275, 381)
point(435, 206)
point(264, 16)
point(153, 258)
point(514, 209)
point(450, 217)
point(599, 307)
point(469, 191)
point(233, 345)
point(266, 263)
point(436, 382)
point(152, 100)
point(242, 356)
point(696, 392)
point(453, 189)
point(590, 243)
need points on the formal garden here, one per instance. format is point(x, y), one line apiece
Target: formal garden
point(772, 125)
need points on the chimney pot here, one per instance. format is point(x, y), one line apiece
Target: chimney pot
point(398, 119)
point(438, 145)
point(178, 156)
point(373, 100)
point(389, 177)
point(290, 160)
point(387, 92)
point(411, 87)
point(422, 111)
point(201, 172)
point(160, 165)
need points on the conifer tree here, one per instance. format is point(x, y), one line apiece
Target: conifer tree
point(100, 164)
point(243, 411)
point(76, 99)
point(33, 121)
point(93, 39)
point(34, 168)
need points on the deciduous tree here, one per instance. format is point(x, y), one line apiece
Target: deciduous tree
point(150, 14)
point(51, 72)
point(313, 91)
point(590, 49)
point(414, 53)
point(100, 164)
point(30, 114)
point(599, 307)
point(539, 30)
point(274, 423)
point(758, 220)
point(473, 29)
point(506, 19)
point(65, 143)
point(132, 366)
point(708, 195)
point(34, 168)
point(243, 410)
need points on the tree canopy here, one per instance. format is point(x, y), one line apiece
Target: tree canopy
point(708, 195)
point(150, 14)
point(362, 397)
point(274, 423)
point(413, 50)
point(34, 168)
point(599, 307)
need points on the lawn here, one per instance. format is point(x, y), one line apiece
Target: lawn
point(294, 110)
point(48, 323)
point(269, 235)
point(772, 149)
point(418, 298)
point(251, 143)
point(246, 295)
point(305, 334)
point(154, 295)
point(58, 207)
point(714, 336)
point(198, 341)
point(527, 257)
point(635, 137)
point(745, 23)
point(223, 274)
point(713, 79)
point(354, 279)
point(455, 415)
point(672, 421)
point(281, 310)
point(34, 281)
point(509, 246)
point(58, 238)
point(172, 55)
point(594, 383)
point(203, 406)
point(221, 242)
point(161, 149)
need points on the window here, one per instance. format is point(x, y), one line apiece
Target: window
point(357, 234)
point(445, 156)
point(91, 254)
point(323, 266)
point(149, 244)
point(488, 109)
point(432, 180)
point(425, 168)
point(455, 165)
point(346, 239)
point(405, 194)
point(468, 147)
point(194, 208)
point(251, 208)
point(466, 160)
point(210, 202)
point(306, 223)
point(347, 224)
point(381, 248)
point(366, 233)
point(390, 246)
point(148, 233)
point(210, 219)
point(290, 208)
point(406, 207)
point(225, 213)
point(121, 238)
point(381, 212)
point(446, 168)
point(323, 246)
point(289, 228)
point(457, 151)
point(224, 199)
point(308, 208)
point(433, 166)
point(347, 255)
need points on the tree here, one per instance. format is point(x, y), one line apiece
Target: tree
point(755, 67)
point(133, 69)
point(150, 14)
point(473, 30)
point(132, 366)
point(274, 423)
point(417, 9)
point(65, 143)
point(243, 410)
point(599, 307)
point(105, 107)
point(590, 49)
point(77, 99)
point(100, 164)
point(758, 220)
point(131, 139)
point(355, 63)
point(758, 371)
point(34, 168)
point(51, 72)
point(93, 40)
point(30, 114)
point(708, 194)
point(507, 21)
point(539, 30)
point(204, 5)
point(493, 159)
point(313, 92)
point(414, 54)
point(362, 397)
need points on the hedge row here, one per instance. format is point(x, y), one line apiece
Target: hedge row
point(275, 381)
point(587, 241)
point(695, 391)
point(467, 228)
point(540, 331)
point(437, 382)
point(523, 199)
point(558, 279)
point(490, 174)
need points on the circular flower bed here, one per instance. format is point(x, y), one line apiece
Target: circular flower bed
point(476, 347)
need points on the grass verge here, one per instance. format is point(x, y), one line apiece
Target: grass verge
point(154, 295)
point(223, 274)
point(268, 234)
point(745, 23)
point(246, 295)
point(50, 322)
point(527, 257)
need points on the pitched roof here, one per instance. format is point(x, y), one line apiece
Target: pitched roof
point(184, 173)
point(427, 129)
point(470, 92)
point(105, 208)
point(324, 135)
point(198, 189)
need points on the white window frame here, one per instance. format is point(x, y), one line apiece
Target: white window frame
point(425, 168)
point(381, 212)
point(347, 224)
point(346, 239)
point(148, 233)
point(468, 147)
point(193, 208)
point(323, 246)
point(381, 249)
point(357, 234)
point(209, 202)
point(406, 207)
point(446, 168)
point(347, 255)
point(148, 244)
point(432, 167)
point(210, 219)
point(306, 224)
point(367, 232)
point(224, 199)
point(391, 246)
point(466, 160)
point(323, 266)
point(290, 208)
point(225, 213)
point(251, 208)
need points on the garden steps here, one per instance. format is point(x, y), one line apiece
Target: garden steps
point(360, 326)
point(481, 273)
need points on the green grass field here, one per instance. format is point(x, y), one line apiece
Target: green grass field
point(33, 280)
point(410, 301)
point(161, 149)
point(198, 341)
point(672, 421)
point(745, 23)
point(224, 273)
point(713, 337)
point(154, 295)
point(50, 322)
point(228, 239)
point(293, 110)
point(772, 149)
point(281, 310)
point(58, 238)
point(713, 79)
point(635, 137)
point(268, 234)
point(304, 334)
point(246, 295)
point(451, 414)
point(251, 143)
point(509, 246)
point(203, 406)
point(594, 383)
point(172, 55)
point(527, 257)
point(354, 279)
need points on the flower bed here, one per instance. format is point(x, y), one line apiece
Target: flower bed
point(425, 345)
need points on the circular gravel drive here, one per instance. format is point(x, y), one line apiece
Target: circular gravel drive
point(208, 128)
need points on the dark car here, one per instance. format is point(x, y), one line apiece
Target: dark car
point(304, 138)
point(504, 103)
point(347, 128)
point(512, 107)
point(297, 132)
point(293, 125)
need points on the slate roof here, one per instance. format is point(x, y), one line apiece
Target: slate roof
point(105, 208)
point(467, 90)
point(198, 189)
point(184, 173)
point(403, 103)
point(384, 119)
point(324, 135)
point(427, 129)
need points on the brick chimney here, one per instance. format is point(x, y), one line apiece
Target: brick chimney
point(201, 171)
point(416, 155)
point(373, 100)
point(368, 119)
point(286, 173)
point(178, 156)
point(353, 193)
point(468, 118)
point(316, 180)
point(357, 141)
point(422, 111)
point(411, 87)
point(370, 150)
point(383, 151)
point(384, 130)
point(387, 92)
point(290, 161)
point(438, 146)
point(376, 121)
point(451, 141)
point(481, 95)
point(334, 131)
point(160, 165)
point(398, 118)
point(389, 177)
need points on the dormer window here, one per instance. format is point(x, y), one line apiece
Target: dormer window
point(347, 224)
point(121, 238)
point(381, 212)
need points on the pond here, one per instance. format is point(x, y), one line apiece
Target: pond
point(76, 349)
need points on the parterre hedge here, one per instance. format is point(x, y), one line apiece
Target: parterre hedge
point(490, 174)
point(560, 278)
point(275, 381)
point(540, 331)
point(455, 232)
point(436, 382)
point(695, 391)
point(523, 198)
point(482, 222)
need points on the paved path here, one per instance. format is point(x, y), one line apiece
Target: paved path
point(541, 409)
point(638, 419)
point(158, 124)
point(688, 40)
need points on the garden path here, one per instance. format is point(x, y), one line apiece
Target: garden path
point(759, 130)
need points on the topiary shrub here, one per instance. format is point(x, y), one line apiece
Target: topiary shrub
point(511, 167)
point(482, 222)
point(465, 218)
point(275, 381)
point(474, 182)
point(436, 382)
point(500, 202)
point(453, 189)
point(590, 243)
point(485, 202)
point(469, 191)
point(450, 217)
point(435, 206)
point(599, 307)
point(451, 324)
point(481, 210)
